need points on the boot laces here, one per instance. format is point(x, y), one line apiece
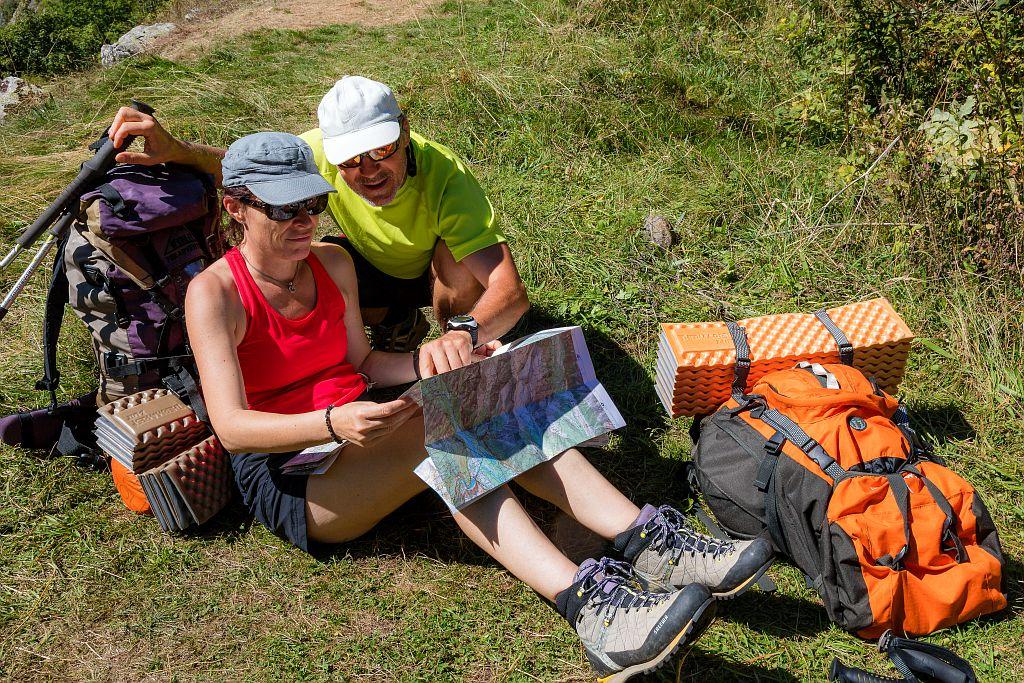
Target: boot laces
point(611, 586)
point(670, 531)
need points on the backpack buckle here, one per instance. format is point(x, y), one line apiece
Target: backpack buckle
point(48, 383)
point(774, 445)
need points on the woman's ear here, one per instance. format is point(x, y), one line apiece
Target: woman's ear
point(235, 208)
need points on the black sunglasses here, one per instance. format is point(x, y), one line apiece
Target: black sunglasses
point(285, 212)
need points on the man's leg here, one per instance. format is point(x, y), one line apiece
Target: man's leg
point(389, 305)
point(455, 289)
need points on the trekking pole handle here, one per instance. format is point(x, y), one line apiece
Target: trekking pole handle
point(100, 163)
point(840, 673)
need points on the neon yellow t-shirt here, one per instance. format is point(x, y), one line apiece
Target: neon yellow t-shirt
point(443, 200)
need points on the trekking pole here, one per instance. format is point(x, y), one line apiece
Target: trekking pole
point(55, 234)
point(93, 168)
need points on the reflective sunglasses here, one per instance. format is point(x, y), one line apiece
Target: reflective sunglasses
point(379, 154)
point(285, 212)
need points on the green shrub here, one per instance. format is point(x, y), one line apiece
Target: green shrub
point(944, 78)
point(66, 35)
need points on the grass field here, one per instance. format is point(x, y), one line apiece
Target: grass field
point(580, 120)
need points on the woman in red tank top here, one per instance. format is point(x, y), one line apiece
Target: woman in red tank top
point(284, 360)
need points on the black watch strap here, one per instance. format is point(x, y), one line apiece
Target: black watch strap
point(472, 328)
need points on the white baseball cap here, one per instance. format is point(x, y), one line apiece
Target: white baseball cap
point(358, 115)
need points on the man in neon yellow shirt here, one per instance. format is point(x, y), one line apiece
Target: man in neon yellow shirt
point(420, 229)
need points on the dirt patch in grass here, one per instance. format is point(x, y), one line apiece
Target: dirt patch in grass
point(218, 21)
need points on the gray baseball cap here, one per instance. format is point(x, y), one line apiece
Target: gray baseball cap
point(276, 167)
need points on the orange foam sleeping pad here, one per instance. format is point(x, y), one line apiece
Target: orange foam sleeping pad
point(695, 360)
point(127, 484)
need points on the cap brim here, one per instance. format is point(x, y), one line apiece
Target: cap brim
point(343, 147)
point(291, 190)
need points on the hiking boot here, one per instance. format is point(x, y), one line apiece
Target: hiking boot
point(668, 553)
point(403, 336)
point(625, 629)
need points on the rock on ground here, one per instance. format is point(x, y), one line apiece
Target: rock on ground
point(659, 230)
point(15, 92)
point(136, 41)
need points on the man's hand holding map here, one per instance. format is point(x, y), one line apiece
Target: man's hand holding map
point(489, 422)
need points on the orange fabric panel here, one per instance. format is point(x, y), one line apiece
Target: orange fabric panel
point(933, 591)
point(127, 484)
point(695, 360)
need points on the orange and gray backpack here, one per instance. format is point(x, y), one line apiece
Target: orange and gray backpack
point(825, 463)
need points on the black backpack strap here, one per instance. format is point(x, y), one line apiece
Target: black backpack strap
point(949, 534)
point(845, 347)
point(181, 382)
point(793, 432)
point(918, 660)
point(742, 368)
point(902, 495)
point(113, 199)
point(56, 300)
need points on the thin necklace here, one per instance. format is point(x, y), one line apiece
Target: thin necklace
point(290, 284)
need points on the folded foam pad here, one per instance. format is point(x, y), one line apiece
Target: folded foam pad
point(145, 429)
point(694, 372)
point(200, 478)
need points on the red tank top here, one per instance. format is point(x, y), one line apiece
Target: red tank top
point(294, 366)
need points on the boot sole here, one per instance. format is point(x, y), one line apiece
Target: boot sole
point(702, 618)
point(745, 586)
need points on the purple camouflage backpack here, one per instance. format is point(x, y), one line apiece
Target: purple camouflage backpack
point(141, 235)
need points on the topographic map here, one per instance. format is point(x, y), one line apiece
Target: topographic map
point(489, 422)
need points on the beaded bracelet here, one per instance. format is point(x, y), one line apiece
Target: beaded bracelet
point(330, 427)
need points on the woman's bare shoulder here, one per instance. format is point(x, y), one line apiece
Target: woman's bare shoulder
point(215, 287)
point(336, 261)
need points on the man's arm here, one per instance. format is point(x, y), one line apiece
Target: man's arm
point(503, 302)
point(161, 146)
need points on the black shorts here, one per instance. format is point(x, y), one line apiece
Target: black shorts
point(380, 290)
point(276, 500)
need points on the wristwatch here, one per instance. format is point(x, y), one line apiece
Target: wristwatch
point(465, 323)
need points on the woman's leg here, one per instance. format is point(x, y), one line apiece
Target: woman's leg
point(365, 485)
point(499, 524)
point(578, 489)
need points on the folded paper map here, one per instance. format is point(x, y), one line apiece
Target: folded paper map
point(489, 422)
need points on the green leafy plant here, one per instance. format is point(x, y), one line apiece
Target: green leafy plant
point(66, 35)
